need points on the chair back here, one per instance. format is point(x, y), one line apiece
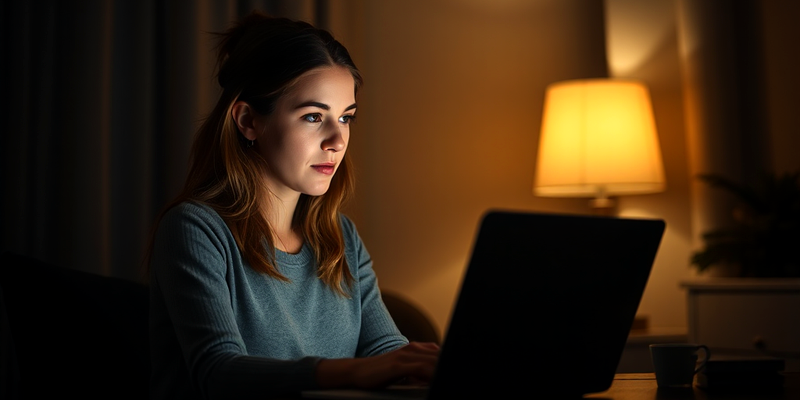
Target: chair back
point(72, 333)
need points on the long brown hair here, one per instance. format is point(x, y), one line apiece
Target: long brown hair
point(259, 59)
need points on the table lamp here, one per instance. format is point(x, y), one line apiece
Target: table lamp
point(598, 140)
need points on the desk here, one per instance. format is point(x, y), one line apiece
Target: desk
point(644, 387)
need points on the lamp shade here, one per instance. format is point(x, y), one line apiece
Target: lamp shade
point(598, 139)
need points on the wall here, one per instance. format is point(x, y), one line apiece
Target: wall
point(448, 127)
point(642, 43)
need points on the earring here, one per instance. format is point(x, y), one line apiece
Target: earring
point(250, 143)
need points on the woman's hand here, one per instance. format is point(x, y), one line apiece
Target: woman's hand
point(416, 361)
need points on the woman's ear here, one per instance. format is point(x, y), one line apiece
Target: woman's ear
point(244, 117)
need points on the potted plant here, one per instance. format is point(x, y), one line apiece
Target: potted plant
point(764, 239)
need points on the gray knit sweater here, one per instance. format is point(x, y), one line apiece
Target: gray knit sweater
point(218, 329)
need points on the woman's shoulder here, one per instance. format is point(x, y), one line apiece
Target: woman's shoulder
point(352, 239)
point(191, 212)
point(189, 207)
point(348, 226)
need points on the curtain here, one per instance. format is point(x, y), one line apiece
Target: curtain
point(102, 98)
point(724, 94)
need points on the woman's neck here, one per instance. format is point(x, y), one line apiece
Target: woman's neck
point(285, 235)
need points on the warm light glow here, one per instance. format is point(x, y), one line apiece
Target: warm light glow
point(598, 139)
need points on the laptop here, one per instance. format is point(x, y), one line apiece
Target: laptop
point(545, 306)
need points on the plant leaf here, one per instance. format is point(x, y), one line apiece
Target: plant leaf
point(745, 194)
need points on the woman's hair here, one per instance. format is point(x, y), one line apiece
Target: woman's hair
point(259, 59)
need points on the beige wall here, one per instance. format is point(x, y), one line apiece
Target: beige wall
point(643, 44)
point(448, 127)
point(449, 122)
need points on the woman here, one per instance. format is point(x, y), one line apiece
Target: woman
point(259, 286)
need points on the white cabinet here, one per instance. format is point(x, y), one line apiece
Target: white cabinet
point(744, 315)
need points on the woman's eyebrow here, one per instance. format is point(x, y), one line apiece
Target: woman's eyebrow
point(321, 105)
point(314, 104)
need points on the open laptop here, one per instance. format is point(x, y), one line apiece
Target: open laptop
point(545, 306)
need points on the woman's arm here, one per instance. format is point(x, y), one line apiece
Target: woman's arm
point(415, 360)
point(385, 354)
point(196, 343)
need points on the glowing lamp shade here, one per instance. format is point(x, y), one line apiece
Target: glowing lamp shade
point(598, 139)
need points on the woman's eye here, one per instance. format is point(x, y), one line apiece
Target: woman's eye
point(312, 118)
point(346, 119)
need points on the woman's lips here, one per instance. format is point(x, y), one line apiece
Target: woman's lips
point(324, 168)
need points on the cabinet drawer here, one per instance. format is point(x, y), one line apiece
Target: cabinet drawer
point(736, 320)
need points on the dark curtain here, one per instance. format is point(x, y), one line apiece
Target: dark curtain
point(102, 98)
point(725, 95)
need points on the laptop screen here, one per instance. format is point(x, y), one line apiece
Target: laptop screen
point(547, 299)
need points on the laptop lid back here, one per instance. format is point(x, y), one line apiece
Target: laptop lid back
point(547, 300)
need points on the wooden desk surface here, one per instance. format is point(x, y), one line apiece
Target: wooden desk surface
point(644, 387)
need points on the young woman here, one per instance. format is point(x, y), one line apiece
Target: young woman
point(260, 287)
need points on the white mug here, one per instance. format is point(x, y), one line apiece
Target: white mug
point(676, 363)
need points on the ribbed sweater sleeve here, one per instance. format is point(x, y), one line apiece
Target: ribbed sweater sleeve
point(218, 329)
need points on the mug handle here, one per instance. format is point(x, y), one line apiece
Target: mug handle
point(705, 357)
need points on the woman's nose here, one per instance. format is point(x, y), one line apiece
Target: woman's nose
point(335, 141)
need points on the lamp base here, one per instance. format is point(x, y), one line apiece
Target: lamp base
point(603, 206)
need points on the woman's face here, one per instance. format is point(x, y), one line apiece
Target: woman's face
point(306, 136)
